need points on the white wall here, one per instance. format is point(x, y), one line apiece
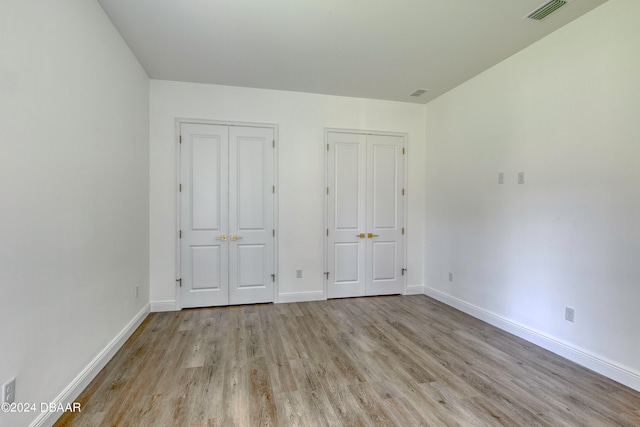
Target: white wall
point(74, 187)
point(301, 118)
point(565, 111)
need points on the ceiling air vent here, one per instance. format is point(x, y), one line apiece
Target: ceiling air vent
point(419, 92)
point(546, 9)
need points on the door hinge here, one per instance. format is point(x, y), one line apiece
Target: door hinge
point(273, 143)
point(403, 271)
point(273, 232)
point(326, 275)
point(273, 277)
point(403, 230)
point(180, 139)
point(402, 150)
point(327, 231)
point(181, 234)
point(181, 188)
point(327, 147)
point(273, 189)
point(403, 191)
point(180, 281)
point(327, 190)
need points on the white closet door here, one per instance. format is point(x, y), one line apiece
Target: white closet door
point(365, 247)
point(227, 215)
point(204, 218)
point(347, 215)
point(385, 215)
point(251, 224)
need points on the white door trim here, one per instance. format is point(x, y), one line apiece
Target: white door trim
point(178, 267)
point(405, 199)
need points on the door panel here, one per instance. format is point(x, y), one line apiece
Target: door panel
point(384, 186)
point(205, 181)
point(227, 203)
point(251, 215)
point(203, 205)
point(250, 164)
point(365, 214)
point(252, 266)
point(347, 257)
point(347, 174)
point(346, 205)
point(384, 261)
point(206, 267)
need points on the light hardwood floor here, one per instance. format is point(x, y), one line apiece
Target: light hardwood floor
point(382, 361)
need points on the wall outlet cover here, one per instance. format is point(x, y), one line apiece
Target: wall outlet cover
point(9, 391)
point(569, 314)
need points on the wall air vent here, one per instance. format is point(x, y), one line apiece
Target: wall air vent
point(419, 92)
point(546, 9)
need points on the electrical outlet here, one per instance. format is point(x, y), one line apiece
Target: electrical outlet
point(450, 276)
point(501, 178)
point(9, 391)
point(520, 177)
point(299, 274)
point(137, 291)
point(569, 314)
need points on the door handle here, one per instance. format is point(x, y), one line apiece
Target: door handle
point(361, 235)
point(234, 237)
point(371, 235)
point(222, 237)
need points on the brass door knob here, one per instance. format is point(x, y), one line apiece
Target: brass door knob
point(222, 237)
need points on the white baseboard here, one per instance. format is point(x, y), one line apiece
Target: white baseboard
point(159, 306)
point(414, 290)
point(601, 365)
point(301, 296)
point(73, 390)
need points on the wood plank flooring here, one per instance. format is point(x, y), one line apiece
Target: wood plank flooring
point(382, 361)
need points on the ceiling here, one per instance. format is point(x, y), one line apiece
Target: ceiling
point(379, 49)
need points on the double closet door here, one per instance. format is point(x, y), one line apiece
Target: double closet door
point(227, 215)
point(365, 177)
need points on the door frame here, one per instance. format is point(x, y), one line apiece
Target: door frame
point(178, 122)
point(405, 199)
